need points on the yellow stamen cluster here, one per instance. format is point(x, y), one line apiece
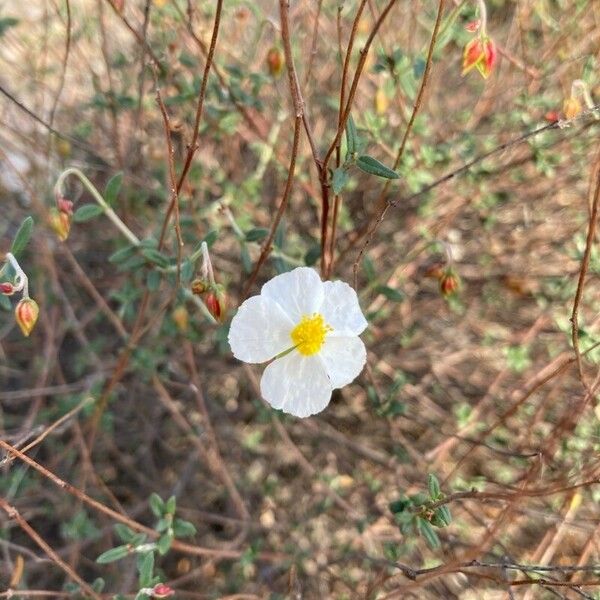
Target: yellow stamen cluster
point(309, 335)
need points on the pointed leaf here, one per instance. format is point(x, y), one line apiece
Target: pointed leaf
point(113, 554)
point(434, 486)
point(339, 179)
point(371, 165)
point(87, 212)
point(351, 136)
point(22, 236)
point(113, 187)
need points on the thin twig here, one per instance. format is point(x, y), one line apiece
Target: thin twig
point(407, 132)
point(585, 263)
point(13, 513)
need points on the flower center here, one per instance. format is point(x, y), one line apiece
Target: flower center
point(309, 335)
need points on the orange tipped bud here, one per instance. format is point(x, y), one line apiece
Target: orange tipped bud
point(7, 288)
point(182, 318)
point(216, 302)
point(61, 223)
point(552, 116)
point(199, 286)
point(480, 53)
point(26, 315)
point(571, 107)
point(275, 62)
point(381, 101)
point(449, 283)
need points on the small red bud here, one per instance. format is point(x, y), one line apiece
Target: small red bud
point(449, 283)
point(216, 303)
point(161, 590)
point(64, 205)
point(480, 53)
point(7, 288)
point(26, 315)
point(275, 62)
point(473, 26)
point(552, 116)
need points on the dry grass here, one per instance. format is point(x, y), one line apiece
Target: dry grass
point(483, 389)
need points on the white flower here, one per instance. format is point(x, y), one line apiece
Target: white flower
point(311, 329)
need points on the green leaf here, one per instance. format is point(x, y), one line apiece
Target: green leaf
point(441, 517)
point(444, 514)
point(211, 237)
point(113, 187)
point(371, 165)
point(339, 179)
point(182, 528)
point(153, 281)
point(87, 212)
point(257, 234)
point(122, 254)
point(351, 136)
point(170, 505)
point(390, 293)
point(157, 506)
point(126, 534)
point(155, 257)
point(187, 271)
point(22, 236)
point(398, 506)
point(434, 486)
point(313, 255)
point(5, 24)
point(428, 532)
point(98, 584)
point(164, 542)
point(163, 524)
point(146, 569)
point(5, 303)
point(113, 554)
point(246, 260)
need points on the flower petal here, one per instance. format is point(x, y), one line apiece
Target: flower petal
point(298, 292)
point(344, 359)
point(341, 310)
point(296, 384)
point(259, 331)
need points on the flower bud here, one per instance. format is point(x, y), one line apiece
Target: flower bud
point(275, 62)
point(449, 283)
point(26, 315)
point(381, 101)
point(64, 205)
point(181, 318)
point(480, 53)
point(199, 286)
point(63, 147)
point(216, 303)
point(571, 107)
point(473, 26)
point(162, 590)
point(552, 116)
point(61, 223)
point(7, 288)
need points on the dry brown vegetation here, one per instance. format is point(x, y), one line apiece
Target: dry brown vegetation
point(127, 387)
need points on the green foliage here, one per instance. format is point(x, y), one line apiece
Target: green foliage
point(422, 514)
point(112, 188)
point(87, 212)
point(22, 237)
